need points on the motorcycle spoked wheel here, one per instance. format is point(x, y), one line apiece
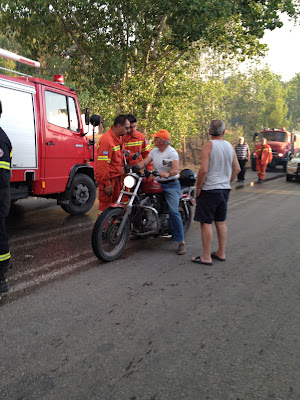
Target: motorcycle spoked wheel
point(186, 215)
point(107, 246)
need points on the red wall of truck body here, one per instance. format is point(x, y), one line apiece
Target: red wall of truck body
point(54, 163)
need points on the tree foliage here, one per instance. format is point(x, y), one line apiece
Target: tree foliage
point(117, 45)
point(165, 61)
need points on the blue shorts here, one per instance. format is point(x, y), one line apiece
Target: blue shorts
point(212, 206)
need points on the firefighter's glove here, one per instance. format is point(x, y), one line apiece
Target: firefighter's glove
point(136, 168)
point(127, 168)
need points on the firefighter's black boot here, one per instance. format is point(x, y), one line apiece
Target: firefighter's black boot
point(4, 287)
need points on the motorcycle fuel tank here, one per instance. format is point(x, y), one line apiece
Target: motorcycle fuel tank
point(151, 187)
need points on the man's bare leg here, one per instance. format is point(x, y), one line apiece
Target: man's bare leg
point(221, 228)
point(207, 236)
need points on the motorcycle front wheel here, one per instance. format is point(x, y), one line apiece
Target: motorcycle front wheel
point(107, 245)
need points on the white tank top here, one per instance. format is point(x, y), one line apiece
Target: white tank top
point(220, 166)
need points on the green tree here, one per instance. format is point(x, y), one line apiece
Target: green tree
point(115, 47)
point(293, 102)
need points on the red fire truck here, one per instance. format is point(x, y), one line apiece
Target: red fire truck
point(284, 144)
point(52, 157)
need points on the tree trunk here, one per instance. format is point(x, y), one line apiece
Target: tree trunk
point(184, 151)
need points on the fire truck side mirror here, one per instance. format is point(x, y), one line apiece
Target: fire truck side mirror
point(95, 120)
point(87, 116)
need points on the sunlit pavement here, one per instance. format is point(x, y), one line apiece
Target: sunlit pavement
point(251, 178)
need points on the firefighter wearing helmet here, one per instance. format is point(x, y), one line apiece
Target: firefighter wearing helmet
point(5, 163)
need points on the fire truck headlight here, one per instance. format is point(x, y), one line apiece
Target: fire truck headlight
point(280, 155)
point(129, 181)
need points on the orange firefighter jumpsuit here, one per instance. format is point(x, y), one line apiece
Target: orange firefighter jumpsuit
point(136, 143)
point(264, 156)
point(108, 168)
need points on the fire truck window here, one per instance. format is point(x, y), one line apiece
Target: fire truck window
point(275, 136)
point(56, 109)
point(73, 115)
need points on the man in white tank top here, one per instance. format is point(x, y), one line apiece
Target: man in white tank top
point(219, 167)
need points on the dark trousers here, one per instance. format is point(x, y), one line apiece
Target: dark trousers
point(4, 248)
point(241, 175)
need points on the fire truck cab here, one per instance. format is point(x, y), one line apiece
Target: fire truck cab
point(52, 157)
point(284, 144)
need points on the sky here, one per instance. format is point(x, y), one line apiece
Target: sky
point(283, 56)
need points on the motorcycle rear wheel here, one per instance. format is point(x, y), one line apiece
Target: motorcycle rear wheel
point(107, 246)
point(186, 215)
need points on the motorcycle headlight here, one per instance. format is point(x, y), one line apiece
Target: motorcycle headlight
point(280, 154)
point(129, 181)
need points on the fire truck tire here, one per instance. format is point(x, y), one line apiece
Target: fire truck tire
point(82, 195)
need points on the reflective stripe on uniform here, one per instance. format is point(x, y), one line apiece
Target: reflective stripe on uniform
point(146, 148)
point(130, 144)
point(4, 257)
point(116, 148)
point(5, 165)
point(104, 158)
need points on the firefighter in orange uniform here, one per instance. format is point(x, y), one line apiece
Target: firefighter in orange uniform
point(110, 161)
point(135, 142)
point(263, 153)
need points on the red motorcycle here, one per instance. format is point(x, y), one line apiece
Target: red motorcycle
point(143, 213)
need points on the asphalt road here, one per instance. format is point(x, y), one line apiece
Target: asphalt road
point(153, 325)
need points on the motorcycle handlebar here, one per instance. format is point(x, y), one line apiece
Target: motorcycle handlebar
point(136, 169)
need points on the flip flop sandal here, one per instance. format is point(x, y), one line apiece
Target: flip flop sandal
point(197, 260)
point(213, 255)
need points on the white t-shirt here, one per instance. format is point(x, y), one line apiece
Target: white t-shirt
point(161, 161)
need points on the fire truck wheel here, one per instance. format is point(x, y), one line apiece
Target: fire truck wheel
point(82, 195)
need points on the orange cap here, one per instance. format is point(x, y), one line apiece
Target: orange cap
point(163, 134)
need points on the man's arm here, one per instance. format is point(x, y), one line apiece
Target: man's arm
point(102, 175)
point(205, 154)
point(144, 162)
point(235, 167)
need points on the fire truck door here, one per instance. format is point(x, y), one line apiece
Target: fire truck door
point(63, 143)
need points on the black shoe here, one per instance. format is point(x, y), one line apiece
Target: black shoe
point(4, 286)
point(260, 180)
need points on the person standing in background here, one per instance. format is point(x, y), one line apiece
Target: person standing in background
point(264, 156)
point(243, 153)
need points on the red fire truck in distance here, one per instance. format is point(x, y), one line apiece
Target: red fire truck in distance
point(52, 157)
point(284, 144)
